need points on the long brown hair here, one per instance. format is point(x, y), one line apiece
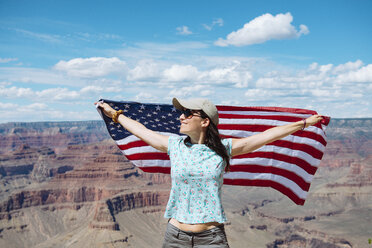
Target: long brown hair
point(213, 141)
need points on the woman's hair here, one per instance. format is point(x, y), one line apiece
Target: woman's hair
point(213, 141)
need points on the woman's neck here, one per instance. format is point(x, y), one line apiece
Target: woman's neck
point(198, 139)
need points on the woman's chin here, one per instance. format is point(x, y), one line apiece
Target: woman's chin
point(183, 131)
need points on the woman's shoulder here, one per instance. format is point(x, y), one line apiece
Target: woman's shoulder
point(227, 141)
point(228, 144)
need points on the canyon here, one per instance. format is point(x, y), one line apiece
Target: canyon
point(66, 184)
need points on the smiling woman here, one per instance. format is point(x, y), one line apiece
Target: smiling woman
point(195, 213)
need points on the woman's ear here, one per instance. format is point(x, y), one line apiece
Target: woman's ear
point(205, 122)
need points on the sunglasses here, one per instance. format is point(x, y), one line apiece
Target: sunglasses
point(188, 113)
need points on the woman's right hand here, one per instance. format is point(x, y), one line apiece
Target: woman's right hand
point(106, 109)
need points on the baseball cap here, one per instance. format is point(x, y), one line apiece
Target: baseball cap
point(198, 104)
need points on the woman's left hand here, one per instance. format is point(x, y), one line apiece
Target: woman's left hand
point(312, 120)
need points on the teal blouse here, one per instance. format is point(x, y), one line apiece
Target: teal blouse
point(197, 178)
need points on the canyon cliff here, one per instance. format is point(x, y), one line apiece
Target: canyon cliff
point(66, 184)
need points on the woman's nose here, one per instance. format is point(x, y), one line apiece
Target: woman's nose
point(182, 117)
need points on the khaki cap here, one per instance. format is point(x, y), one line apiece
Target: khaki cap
point(198, 104)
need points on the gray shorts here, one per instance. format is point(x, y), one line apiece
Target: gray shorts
point(212, 238)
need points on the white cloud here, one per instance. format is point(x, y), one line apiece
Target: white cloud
point(233, 73)
point(349, 66)
point(50, 38)
point(38, 76)
point(144, 70)
point(191, 91)
point(92, 89)
point(145, 97)
point(14, 92)
point(218, 22)
point(8, 106)
point(321, 85)
point(184, 30)
point(91, 67)
point(51, 94)
point(264, 28)
point(362, 75)
point(181, 73)
point(7, 60)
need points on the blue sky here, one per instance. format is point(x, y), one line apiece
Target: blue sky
point(58, 57)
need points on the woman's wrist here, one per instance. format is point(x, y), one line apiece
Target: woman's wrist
point(116, 115)
point(304, 124)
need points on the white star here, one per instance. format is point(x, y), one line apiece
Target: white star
point(157, 108)
point(149, 115)
point(169, 114)
point(142, 106)
point(145, 123)
point(113, 135)
point(174, 109)
point(157, 120)
point(126, 105)
point(112, 123)
point(163, 117)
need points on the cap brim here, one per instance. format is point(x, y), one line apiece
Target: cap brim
point(180, 104)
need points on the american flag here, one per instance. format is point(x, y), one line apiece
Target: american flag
point(287, 165)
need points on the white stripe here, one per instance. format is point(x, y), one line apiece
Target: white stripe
point(151, 163)
point(140, 149)
point(132, 138)
point(291, 138)
point(274, 163)
point(265, 176)
point(264, 113)
point(313, 129)
point(290, 152)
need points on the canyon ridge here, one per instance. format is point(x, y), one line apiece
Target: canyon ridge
point(66, 184)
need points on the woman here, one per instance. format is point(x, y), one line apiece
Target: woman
point(194, 209)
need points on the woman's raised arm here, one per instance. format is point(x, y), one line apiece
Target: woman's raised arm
point(154, 139)
point(251, 143)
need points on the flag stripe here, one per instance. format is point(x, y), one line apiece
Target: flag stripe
point(266, 183)
point(262, 128)
point(274, 170)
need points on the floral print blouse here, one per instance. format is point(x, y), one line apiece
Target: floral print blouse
point(197, 178)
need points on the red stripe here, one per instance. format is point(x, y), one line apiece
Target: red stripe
point(264, 117)
point(266, 109)
point(137, 143)
point(262, 128)
point(312, 151)
point(148, 156)
point(253, 168)
point(156, 169)
point(281, 157)
point(267, 183)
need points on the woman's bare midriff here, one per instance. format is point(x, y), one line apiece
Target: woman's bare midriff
point(193, 227)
